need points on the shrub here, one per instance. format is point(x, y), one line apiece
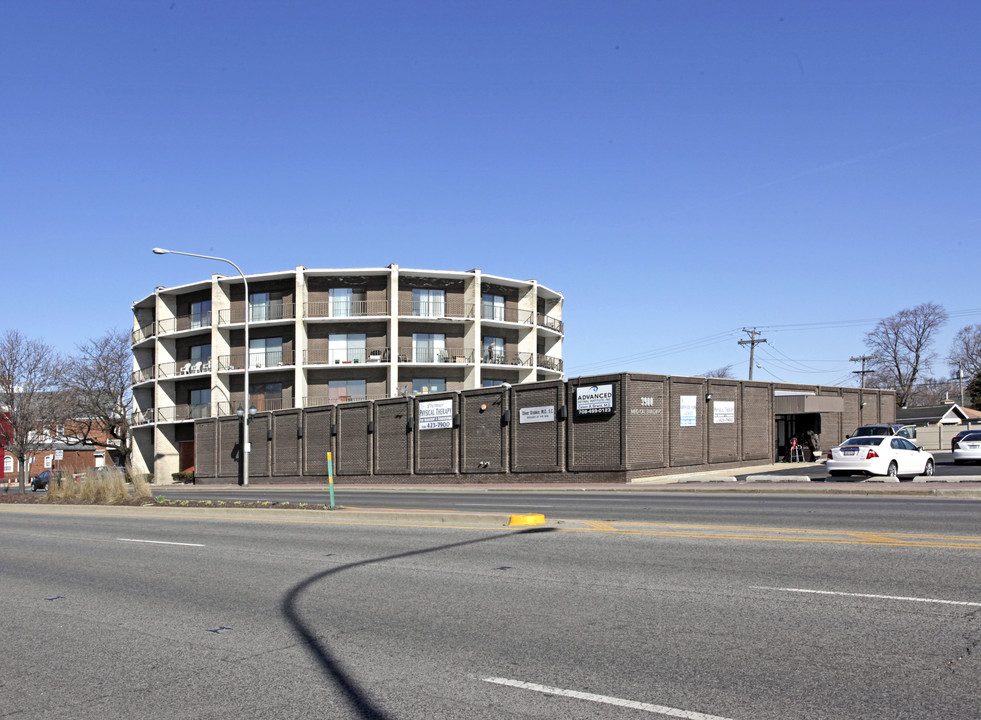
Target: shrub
point(184, 476)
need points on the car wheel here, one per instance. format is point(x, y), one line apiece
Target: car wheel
point(893, 470)
point(928, 469)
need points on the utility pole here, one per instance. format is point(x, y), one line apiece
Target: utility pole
point(752, 342)
point(960, 382)
point(863, 372)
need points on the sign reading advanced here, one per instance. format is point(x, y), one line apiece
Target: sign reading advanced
point(595, 400)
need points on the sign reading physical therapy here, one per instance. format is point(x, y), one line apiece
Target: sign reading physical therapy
point(595, 400)
point(436, 415)
point(545, 413)
point(724, 412)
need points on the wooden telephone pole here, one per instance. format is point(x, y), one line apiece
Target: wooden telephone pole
point(752, 342)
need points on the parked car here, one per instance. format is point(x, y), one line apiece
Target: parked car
point(40, 482)
point(886, 429)
point(967, 447)
point(891, 456)
point(958, 436)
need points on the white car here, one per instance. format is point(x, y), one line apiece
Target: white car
point(890, 456)
point(967, 448)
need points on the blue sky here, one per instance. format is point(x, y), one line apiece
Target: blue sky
point(678, 169)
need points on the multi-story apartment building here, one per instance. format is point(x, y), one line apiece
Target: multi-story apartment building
point(328, 336)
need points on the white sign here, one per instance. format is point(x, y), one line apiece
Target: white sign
point(689, 412)
point(436, 415)
point(546, 413)
point(724, 412)
point(59, 454)
point(594, 399)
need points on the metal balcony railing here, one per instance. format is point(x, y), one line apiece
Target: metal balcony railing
point(507, 314)
point(258, 360)
point(194, 321)
point(142, 417)
point(317, 400)
point(143, 375)
point(144, 332)
point(408, 354)
point(429, 309)
point(550, 363)
point(348, 309)
point(183, 367)
point(549, 322)
point(258, 313)
point(176, 413)
point(348, 356)
point(506, 357)
point(262, 403)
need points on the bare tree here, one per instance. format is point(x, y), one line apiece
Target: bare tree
point(965, 351)
point(903, 347)
point(30, 376)
point(723, 372)
point(934, 391)
point(99, 381)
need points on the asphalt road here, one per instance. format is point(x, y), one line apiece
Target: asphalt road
point(138, 616)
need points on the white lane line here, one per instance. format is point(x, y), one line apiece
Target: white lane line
point(491, 504)
point(864, 595)
point(605, 699)
point(159, 542)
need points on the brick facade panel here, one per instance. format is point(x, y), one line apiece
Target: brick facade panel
point(482, 431)
point(352, 441)
point(644, 410)
point(393, 439)
point(316, 440)
point(287, 445)
point(595, 441)
point(756, 422)
point(538, 447)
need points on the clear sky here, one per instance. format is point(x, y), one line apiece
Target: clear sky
point(678, 169)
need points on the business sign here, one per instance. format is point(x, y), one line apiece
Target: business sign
point(436, 415)
point(59, 454)
point(595, 400)
point(724, 412)
point(545, 413)
point(689, 410)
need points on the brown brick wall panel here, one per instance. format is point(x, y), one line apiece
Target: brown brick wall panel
point(205, 448)
point(887, 408)
point(850, 417)
point(687, 445)
point(352, 441)
point(723, 437)
point(483, 435)
point(756, 423)
point(540, 446)
point(644, 411)
point(228, 447)
point(393, 442)
point(595, 441)
point(316, 440)
point(259, 437)
point(286, 444)
point(436, 450)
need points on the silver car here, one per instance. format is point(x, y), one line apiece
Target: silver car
point(891, 456)
point(967, 448)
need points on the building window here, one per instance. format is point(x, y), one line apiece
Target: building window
point(265, 352)
point(346, 302)
point(492, 307)
point(428, 347)
point(422, 386)
point(488, 382)
point(428, 303)
point(201, 314)
point(200, 402)
point(494, 350)
point(265, 306)
point(48, 461)
point(339, 391)
point(8, 464)
point(266, 396)
point(200, 358)
point(347, 348)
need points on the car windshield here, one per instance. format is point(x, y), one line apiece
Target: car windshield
point(973, 437)
point(873, 430)
point(862, 441)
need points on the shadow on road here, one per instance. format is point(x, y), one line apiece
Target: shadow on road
point(354, 694)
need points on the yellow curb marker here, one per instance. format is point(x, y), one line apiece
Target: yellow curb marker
point(532, 519)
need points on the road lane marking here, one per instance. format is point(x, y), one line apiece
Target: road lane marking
point(160, 542)
point(605, 699)
point(867, 595)
point(497, 504)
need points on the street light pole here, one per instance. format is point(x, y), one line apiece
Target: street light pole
point(246, 445)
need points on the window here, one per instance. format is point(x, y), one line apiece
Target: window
point(492, 307)
point(201, 358)
point(266, 396)
point(265, 352)
point(428, 347)
point(266, 306)
point(428, 303)
point(422, 386)
point(200, 402)
point(347, 348)
point(201, 314)
point(47, 461)
point(346, 391)
point(346, 302)
point(488, 382)
point(8, 464)
point(494, 350)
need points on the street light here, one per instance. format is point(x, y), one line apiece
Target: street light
point(246, 445)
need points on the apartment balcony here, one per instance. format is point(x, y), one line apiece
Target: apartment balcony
point(550, 363)
point(144, 332)
point(142, 417)
point(550, 323)
point(505, 357)
point(340, 310)
point(181, 323)
point(180, 413)
point(408, 354)
point(422, 310)
point(182, 368)
point(257, 313)
point(349, 356)
point(507, 315)
point(319, 400)
point(143, 375)
point(261, 403)
point(258, 360)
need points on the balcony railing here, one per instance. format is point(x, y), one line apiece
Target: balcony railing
point(177, 413)
point(261, 403)
point(506, 357)
point(551, 323)
point(550, 363)
point(258, 313)
point(144, 332)
point(143, 375)
point(258, 360)
point(183, 367)
point(433, 355)
point(194, 321)
point(142, 417)
point(507, 314)
point(427, 309)
point(348, 356)
point(345, 309)
point(317, 400)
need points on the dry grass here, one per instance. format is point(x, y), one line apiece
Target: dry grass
point(105, 487)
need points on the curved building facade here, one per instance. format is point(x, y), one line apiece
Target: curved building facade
point(326, 337)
